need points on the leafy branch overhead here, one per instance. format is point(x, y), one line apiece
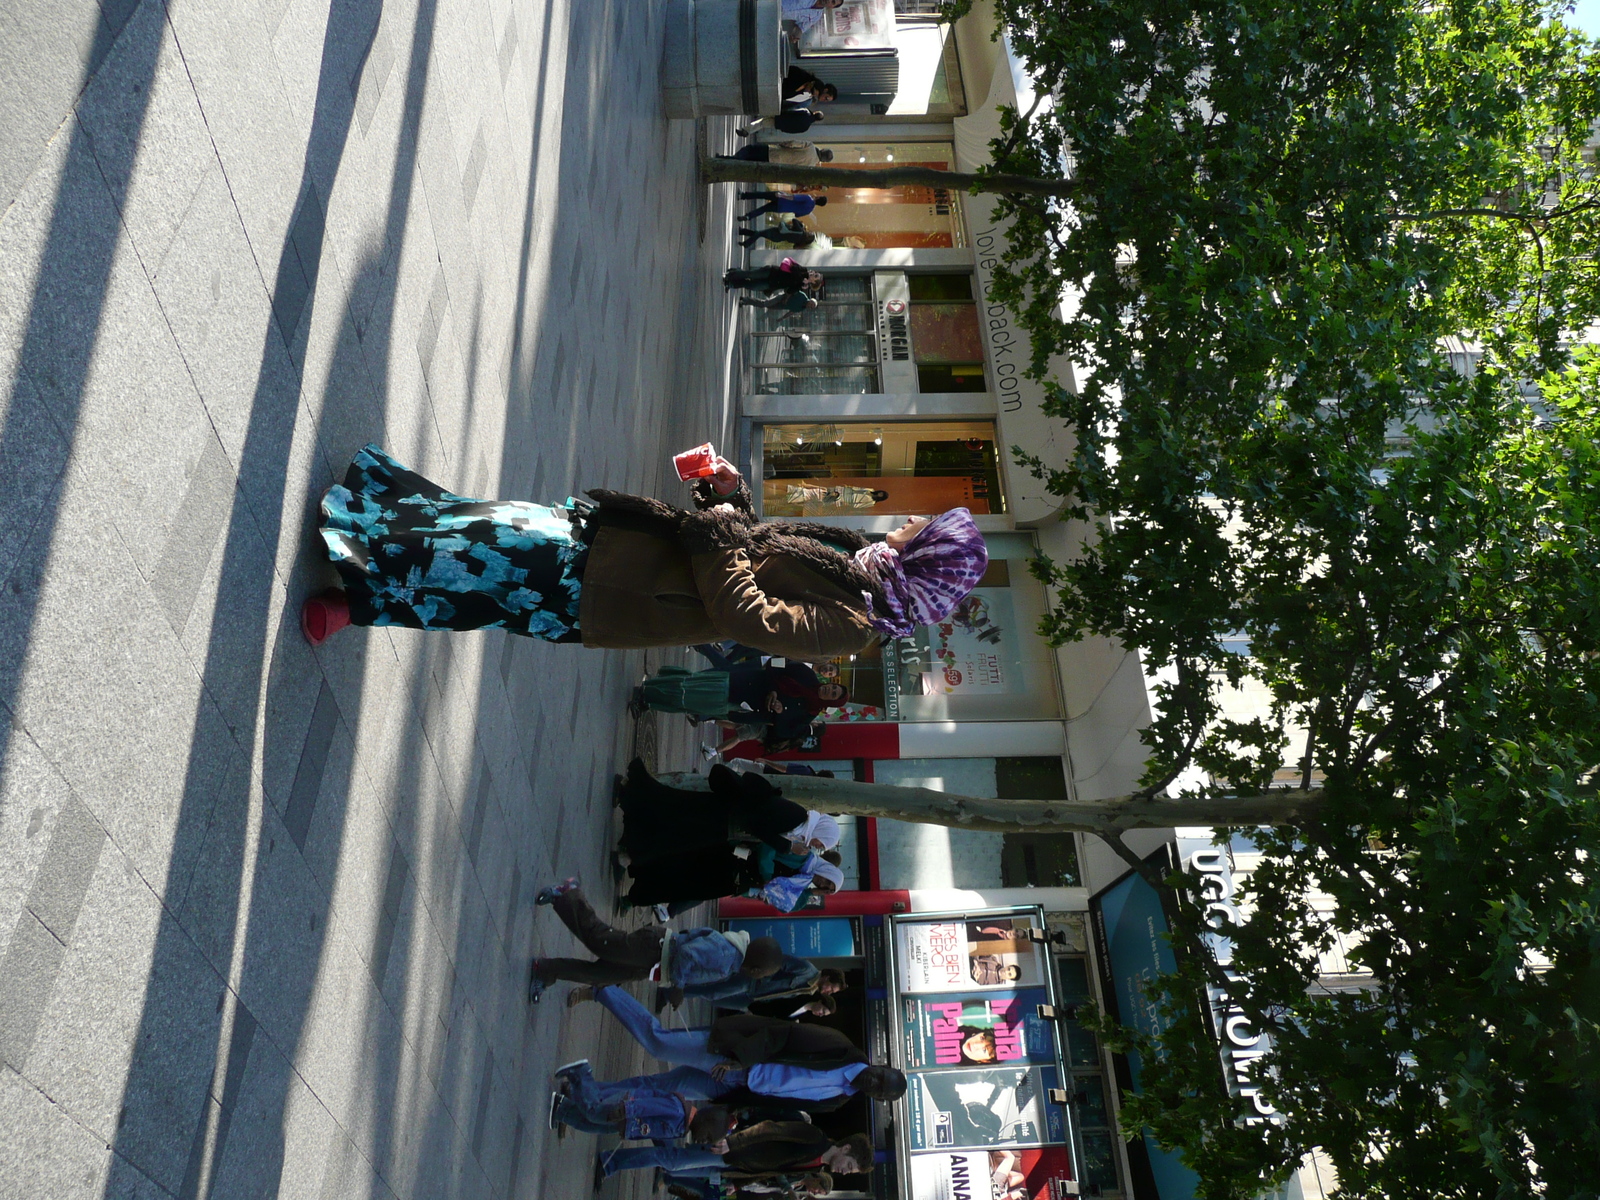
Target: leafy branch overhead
point(1321, 271)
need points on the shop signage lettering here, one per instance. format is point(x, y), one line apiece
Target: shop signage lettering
point(1242, 1044)
point(897, 330)
point(1004, 338)
point(960, 1178)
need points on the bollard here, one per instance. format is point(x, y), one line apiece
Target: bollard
point(722, 58)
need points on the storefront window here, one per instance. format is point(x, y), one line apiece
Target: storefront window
point(882, 218)
point(861, 469)
point(830, 349)
point(930, 71)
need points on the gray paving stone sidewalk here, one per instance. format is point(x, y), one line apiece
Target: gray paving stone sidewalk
point(265, 911)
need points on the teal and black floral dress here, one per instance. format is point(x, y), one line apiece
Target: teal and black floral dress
point(411, 553)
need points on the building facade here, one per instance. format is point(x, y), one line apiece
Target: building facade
point(901, 393)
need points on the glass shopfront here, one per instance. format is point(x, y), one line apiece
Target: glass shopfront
point(910, 216)
point(886, 332)
point(831, 349)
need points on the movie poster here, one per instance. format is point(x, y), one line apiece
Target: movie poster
point(994, 1106)
point(959, 956)
point(984, 1029)
point(1043, 1174)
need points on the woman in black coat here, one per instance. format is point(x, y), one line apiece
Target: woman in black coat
point(660, 822)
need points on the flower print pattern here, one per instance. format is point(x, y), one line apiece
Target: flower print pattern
point(412, 554)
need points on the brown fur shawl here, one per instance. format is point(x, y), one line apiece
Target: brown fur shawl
point(826, 549)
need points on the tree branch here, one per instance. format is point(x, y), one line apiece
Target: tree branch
point(1275, 806)
point(738, 170)
point(1020, 128)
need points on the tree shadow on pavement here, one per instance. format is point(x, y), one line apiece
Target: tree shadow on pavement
point(218, 1059)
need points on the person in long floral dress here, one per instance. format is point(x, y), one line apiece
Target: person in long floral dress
point(410, 553)
point(629, 572)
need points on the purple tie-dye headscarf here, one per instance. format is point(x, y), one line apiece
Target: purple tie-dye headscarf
point(923, 583)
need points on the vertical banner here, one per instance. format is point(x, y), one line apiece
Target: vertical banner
point(995, 1106)
point(958, 956)
point(987, 1028)
point(804, 937)
point(1043, 1174)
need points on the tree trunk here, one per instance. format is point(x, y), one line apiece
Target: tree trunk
point(738, 170)
point(1273, 807)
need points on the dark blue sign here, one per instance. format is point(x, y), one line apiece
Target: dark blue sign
point(1135, 944)
point(805, 937)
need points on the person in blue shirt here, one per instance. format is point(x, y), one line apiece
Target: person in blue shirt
point(795, 204)
point(695, 958)
point(750, 1059)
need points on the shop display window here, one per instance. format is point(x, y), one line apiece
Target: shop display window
point(859, 469)
point(831, 349)
point(915, 217)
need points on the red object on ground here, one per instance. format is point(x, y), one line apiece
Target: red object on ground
point(696, 463)
point(840, 904)
point(323, 616)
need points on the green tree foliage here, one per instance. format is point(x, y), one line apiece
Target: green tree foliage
point(1284, 218)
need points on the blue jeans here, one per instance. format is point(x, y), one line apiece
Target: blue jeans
point(685, 1046)
point(680, 1160)
point(571, 1111)
point(686, 1081)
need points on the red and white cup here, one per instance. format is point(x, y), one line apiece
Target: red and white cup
point(699, 463)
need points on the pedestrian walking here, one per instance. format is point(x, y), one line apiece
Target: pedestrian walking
point(800, 85)
point(687, 959)
point(794, 119)
point(766, 1148)
point(794, 978)
point(629, 572)
point(581, 1104)
point(788, 276)
point(796, 204)
point(792, 234)
point(788, 154)
point(742, 1058)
